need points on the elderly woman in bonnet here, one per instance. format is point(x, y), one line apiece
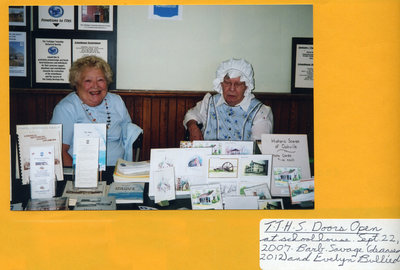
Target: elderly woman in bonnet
point(91, 102)
point(233, 113)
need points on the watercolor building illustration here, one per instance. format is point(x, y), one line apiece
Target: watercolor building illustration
point(206, 198)
point(257, 167)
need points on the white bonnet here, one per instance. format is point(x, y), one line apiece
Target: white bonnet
point(235, 68)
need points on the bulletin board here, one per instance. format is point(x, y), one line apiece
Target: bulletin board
point(60, 35)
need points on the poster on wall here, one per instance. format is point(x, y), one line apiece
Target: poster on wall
point(56, 17)
point(95, 18)
point(53, 60)
point(165, 12)
point(17, 54)
point(302, 65)
point(17, 16)
point(85, 47)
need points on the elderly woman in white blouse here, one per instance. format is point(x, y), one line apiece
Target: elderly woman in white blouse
point(233, 113)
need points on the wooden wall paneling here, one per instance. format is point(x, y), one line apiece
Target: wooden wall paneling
point(294, 117)
point(41, 111)
point(281, 113)
point(171, 127)
point(129, 103)
point(146, 126)
point(181, 110)
point(50, 103)
point(155, 123)
point(138, 110)
point(160, 113)
point(163, 124)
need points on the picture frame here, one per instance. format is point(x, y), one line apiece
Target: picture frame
point(302, 79)
point(17, 15)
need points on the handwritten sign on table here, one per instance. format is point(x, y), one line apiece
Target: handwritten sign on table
point(330, 244)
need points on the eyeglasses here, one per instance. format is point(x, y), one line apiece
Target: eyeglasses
point(236, 85)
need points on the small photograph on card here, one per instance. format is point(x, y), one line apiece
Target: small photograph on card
point(95, 14)
point(272, 204)
point(302, 191)
point(206, 197)
point(284, 175)
point(223, 168)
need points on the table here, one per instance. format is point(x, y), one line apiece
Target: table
point(21, 194)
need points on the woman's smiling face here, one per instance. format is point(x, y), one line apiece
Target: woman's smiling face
point(92, 86)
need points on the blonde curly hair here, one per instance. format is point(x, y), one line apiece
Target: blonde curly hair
point(88, 62)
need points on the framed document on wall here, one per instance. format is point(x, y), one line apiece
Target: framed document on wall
point(302, 66)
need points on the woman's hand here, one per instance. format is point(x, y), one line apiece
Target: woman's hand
point(194, 131)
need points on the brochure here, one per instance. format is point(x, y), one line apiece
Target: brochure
point(99, 203)
point(82, 130)
point(39, 135)
point(86, 168)
point(127, 192)
point(42, 177)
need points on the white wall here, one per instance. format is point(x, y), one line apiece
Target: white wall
point(184, 55)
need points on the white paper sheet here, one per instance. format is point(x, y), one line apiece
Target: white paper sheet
point(87, 154)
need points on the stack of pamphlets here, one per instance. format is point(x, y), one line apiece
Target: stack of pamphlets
point(127, 192)
point(95, 203)
point(129, 171)
point(60, 203)
point(73, 193)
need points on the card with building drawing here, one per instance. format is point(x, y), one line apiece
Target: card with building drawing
point(302, 191)
point(262, 191)
point(227, 147)
point(206, 197)
point(223, 167)
point(228, 188)
point(288, 150)
point(165, 184)
point(281, 178)
point(189, 164)
point(272, 204)
point(256, 168)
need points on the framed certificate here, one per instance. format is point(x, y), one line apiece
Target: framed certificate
point(302, 66)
